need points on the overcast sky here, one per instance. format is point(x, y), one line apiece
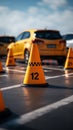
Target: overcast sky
point(19, 15)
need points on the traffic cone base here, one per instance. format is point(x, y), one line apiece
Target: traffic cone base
point(2, 71)
point(35, 85)
point(34, 75)
point(4, 112)
point(1, 68)
point(10, 59)
point(69, 59)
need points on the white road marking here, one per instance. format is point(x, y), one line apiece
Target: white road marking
point(47, 77)
point(11, 87)
point(47, 70)
point(58, 76)
point(3, 75)
point(41, 111)
point(28, 117)
point(19, 71)
point(53, 68)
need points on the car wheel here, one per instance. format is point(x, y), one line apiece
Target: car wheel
point(26, 56)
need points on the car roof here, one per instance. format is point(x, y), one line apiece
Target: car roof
point(34, 30)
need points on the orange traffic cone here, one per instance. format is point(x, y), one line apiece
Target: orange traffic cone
point(1, 68)
point(34, 75)
point(4, 112)
point(10, 59)
point(2, 106)
point(69, 59)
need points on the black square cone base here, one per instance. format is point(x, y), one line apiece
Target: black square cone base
point(4, 114)
point(1, 72)
point(36, 85)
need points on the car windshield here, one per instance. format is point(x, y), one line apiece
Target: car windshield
point(50, 35)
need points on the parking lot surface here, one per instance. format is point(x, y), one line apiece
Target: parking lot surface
point(37, 108)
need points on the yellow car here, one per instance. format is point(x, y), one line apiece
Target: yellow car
point(50, 45)
point(4, 42)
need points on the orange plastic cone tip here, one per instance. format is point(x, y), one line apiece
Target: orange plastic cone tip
point(10, 59)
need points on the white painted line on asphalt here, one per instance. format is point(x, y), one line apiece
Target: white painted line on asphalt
point(58, 76)
point(47, 77)
point(51, 68)
point(19, 71)
point(47, 70)
point(11, 87)
point(28, 117)
point(3, 75)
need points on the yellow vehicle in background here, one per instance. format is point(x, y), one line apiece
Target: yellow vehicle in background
point(50, 45)
point(4, 42)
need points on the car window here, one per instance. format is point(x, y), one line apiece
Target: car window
point(19, 37)
point(68, 37)
point(51, 35)
point(23, 35)
point(26, 35)
point(6, 39)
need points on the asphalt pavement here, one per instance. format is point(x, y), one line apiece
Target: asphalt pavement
point(37, 108)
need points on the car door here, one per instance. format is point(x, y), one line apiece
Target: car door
point(22, 43)
point(17, 46)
